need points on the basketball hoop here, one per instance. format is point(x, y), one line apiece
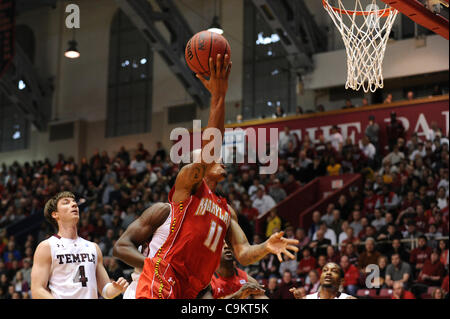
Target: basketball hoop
point(365, 37)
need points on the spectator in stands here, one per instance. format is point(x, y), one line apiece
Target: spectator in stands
point(372, 131)
point(336, 139)
point(332, 255)
point(284, 140)
point(396, 247)
point(336, 222)
point(356, 223)
point(388, 98)
point(279, 112)
point(351, 276)
point(348, 104)
point(20, 284)
point(333, 168)
point(365, 102)
point(399, 292)
point(420, 254)
point(387, 199)
point(263, 202)
point(433, 271)
point(444, 285)
point(299, 110)
point(379, 221)
point(272, 288)
point(437, 90)
point(319, 245)
point(306, 264)
point(26, 270)
point(367, 148)
point(344, 207)
point(382, 265)
point(273, 223)
point(410, 95)
point(290, 265)
point(369, 256)
point(303, 240)
point(160, 153)
point(438, 293)
point(286, 284)
point(328, 233)
point(349, 236)
point(315, 224)
point(276, 191)
point(395, 129)
point(312, 282)
point(320, 108)
point(327, 218)
point(443, 249)
point(397, 271)
point(394, 157)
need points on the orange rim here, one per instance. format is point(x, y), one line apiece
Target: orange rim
point(382, 13)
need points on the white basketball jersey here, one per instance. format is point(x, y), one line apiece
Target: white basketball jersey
point(73, 271)
point(158, 239)
point(316, 296)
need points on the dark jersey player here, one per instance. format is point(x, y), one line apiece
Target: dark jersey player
point(198, 221)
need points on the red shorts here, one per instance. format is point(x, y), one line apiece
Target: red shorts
point(158, 280)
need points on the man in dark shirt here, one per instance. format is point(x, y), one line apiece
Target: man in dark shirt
point(395, 129)
point(319, 246)
point(283, 290)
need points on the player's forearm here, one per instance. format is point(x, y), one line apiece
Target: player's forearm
point(129, 254)
point(111, 292)
point(250, 254)
point(41, 293)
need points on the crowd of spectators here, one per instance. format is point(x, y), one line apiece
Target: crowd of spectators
point(396, 221)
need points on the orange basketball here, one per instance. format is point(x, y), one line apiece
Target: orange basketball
point(203, 45)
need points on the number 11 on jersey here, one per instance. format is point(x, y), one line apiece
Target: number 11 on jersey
point(214, 232)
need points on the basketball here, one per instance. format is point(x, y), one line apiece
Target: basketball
point(203, 45)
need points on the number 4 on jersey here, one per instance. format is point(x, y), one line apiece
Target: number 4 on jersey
point(81, 277)
point(212, 245)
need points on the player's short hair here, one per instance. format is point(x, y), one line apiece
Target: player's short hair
point(52, 206)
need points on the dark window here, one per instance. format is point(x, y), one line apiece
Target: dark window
point(268, 80)
point(129, 80)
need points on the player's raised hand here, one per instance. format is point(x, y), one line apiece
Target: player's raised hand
point(296, 292)
point(277, 245)
point(120, 284)
point(220, 69)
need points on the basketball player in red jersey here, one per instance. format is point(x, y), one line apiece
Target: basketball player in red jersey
point(199, 220)
point(230, 282)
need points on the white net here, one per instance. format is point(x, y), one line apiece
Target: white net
point(365, 29)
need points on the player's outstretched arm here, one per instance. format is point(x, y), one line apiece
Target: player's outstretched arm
point(40, 273)
point(138, 232)
point(217, 84)
point(108, 289)
point(247, 254)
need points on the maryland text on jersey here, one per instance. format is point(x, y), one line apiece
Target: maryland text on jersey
point(207, 205)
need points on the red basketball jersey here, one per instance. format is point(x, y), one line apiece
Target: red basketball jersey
point(224, 286)
point(193, 247)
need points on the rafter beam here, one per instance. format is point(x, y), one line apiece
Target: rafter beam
point(33, 97)
point(142, 15)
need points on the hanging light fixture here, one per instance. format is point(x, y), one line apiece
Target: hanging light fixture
point(72, 52)
point(215, 26)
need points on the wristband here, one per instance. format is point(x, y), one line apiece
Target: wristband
point(104, 290)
